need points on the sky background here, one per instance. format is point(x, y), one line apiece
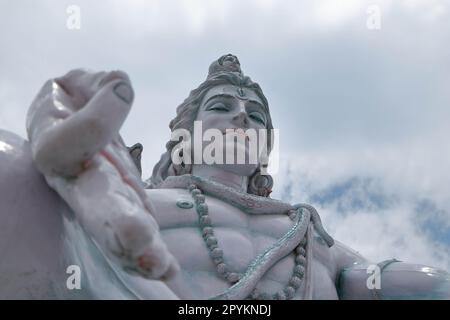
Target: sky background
point(363, 114)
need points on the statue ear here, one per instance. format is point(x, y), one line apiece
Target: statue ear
point(135, 153)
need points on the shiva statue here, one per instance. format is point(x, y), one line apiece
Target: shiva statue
point(72, 195)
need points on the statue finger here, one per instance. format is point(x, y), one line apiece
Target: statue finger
point(82, 85)
point(63, 148)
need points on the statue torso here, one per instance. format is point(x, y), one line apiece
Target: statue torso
point(241, 236)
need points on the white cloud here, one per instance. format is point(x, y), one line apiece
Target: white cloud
point(330, 13)
point(380, 215)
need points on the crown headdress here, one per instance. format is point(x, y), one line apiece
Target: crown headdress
point(225, 64)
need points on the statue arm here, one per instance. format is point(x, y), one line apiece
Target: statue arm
point(73, 129)
point(359, 278)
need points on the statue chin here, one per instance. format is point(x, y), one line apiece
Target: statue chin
point(231, 151)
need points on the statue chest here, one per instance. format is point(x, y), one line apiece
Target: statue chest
point(240, 236)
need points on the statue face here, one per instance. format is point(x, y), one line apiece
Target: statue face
point(226, 107)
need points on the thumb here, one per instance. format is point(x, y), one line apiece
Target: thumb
point(108, 109)
point(80, 136)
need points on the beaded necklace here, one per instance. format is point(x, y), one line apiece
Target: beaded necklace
point(225, 272)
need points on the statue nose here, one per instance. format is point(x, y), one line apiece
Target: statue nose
point(241, 118)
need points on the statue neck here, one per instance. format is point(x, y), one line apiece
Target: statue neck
point(229, 179)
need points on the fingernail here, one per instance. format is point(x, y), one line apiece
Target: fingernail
point(124, 92)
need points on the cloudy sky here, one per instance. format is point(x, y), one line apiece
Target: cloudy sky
point(363, 113)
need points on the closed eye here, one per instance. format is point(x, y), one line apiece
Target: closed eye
point(258, 117)
point(218, 106)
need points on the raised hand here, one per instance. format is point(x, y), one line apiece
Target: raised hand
point(73, 127)
point(75, 116)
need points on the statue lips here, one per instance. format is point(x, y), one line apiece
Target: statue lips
point(242, 142)
point(241, 145)
point(238, 132)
